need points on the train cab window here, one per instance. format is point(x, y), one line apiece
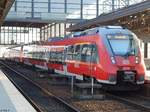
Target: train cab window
point(70, 52)
point(77, 54)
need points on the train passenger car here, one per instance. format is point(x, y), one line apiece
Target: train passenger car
point(110, 54)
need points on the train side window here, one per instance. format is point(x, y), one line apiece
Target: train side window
point(64, 57)
point(77, 54)
point(56, 56)
point(84, 53)
point(89, 53)
point(34, 55)
point(47, 55)
point(42, 55)
point(70, 52)
point(53, 55)
point(59, 56)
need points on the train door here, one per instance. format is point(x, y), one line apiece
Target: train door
point(93, 63)
point(85, 60)
point(93, 60)
point(88, 57)
point(77, 62)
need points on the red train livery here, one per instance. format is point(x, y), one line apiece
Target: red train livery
point(110, 54)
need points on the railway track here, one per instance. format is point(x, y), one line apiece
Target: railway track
point(41, 99)
point(132, 99)
point(137, 101)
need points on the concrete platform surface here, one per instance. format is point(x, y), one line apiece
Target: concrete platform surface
point(147, 76)
point(11, 100)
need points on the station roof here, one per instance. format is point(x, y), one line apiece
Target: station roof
point(124, 17)
point(37, 23)
point(5, 6)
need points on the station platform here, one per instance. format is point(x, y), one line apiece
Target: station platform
point(11, 100)
point(147, 76)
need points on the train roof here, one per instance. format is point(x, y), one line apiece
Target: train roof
point(92, 31)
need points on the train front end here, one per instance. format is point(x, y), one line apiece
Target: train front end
point(125, 67)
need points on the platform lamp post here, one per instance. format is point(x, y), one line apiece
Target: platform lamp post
point(113, 5)
point(92, 79)
point(72, 84)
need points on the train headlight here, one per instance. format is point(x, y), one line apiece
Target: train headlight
point(113, 60)
point(112, 78)
point(141, 78)
point(136, 59)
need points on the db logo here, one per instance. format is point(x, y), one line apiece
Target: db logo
point(126, 62)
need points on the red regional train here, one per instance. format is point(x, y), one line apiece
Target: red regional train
point(109, 54)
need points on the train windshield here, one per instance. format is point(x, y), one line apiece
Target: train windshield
point(123, 44)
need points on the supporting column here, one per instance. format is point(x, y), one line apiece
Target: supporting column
point(49, 6)
point(97, 8)
point(32, 9)
point(36, 34)
point(113, 5)
point(81, 9)
point(40, 34)
point(4, 35)
point(55, 30)
point(65, 9)
point(44, 33)
point(64, 29)
point(28, 35)
point(32, 35)
point(47, 36)
point(20, 36)
point(50, 30)
point(127, 2)
point(13, 41)
point(17, 35)
point(59, 29)
point(24, 35)
point(15, 6)
point(7, 40)
point(145, 50)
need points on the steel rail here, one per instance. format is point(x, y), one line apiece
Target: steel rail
point(66, 104)
point(130, 102)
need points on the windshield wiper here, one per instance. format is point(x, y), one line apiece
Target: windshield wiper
point(129, 52)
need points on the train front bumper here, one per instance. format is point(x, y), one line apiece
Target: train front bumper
point(124, 77)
